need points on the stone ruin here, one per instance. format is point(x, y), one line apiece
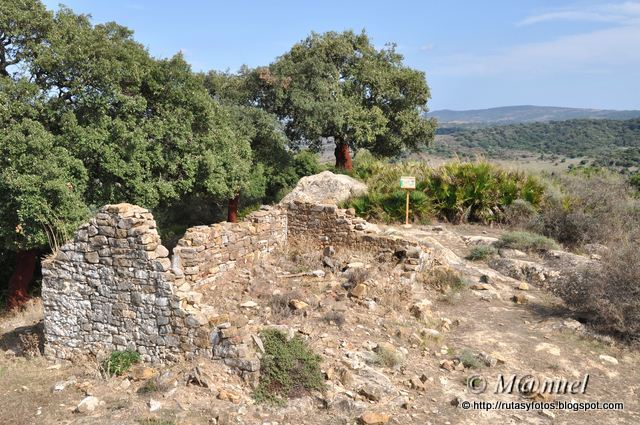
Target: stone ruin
point(115, 286)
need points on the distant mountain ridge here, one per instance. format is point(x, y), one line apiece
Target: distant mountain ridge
point(526, 113)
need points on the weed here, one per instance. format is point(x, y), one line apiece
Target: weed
point(149, 387)
point(334, 318)
point(481, 252)
point(444, 279)
point(525, 241)
point(289, 369)
point(388, 357)
point(358, 275)
point(119, 362)
point(469, 359)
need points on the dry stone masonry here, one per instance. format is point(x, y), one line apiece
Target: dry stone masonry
point(206, 252)
point(327, 225)
point(115, 287)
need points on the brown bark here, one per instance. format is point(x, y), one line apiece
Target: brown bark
point(232, 210)
point(21, 278)
point(343, 156)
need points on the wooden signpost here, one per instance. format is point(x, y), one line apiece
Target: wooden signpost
point(407, 183)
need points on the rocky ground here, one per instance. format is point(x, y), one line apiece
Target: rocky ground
point(392, 353)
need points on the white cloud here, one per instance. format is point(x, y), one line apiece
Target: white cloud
point(602, 51)
point(620, 13)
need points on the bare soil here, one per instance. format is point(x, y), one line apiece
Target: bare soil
point(538, 338)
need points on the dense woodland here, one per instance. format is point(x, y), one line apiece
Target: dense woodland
point(88, 117)
point(610, 143)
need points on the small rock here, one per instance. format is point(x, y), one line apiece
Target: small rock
point(608, 359)
point(523, 286)
point(88, 404)
point(197, 376)
point(258, 342)
point(572, 324)
point(355, 265)
point(519, 299)
point(154, 405)
point(142, 373)
point(485, 279)
point(374, 418)
point(359, 290)
point(421, 309)
point(370, 393)
point(480, 286)
point(229, 396)
point(318, 273)
point(417, 384)
point(298, 304)
point(448, 365)
point(249, 304)
point(328, 251)
point(328, 262)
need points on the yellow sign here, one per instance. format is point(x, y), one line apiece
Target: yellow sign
point(407, 182)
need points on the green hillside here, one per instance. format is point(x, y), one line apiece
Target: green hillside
point(608, 142)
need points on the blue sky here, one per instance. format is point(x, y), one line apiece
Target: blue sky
point(476, 54)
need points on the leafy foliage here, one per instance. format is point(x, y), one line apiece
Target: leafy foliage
point(41, 188)
point(339, 85)
point(119, 362)
point(457, 192)
point(288, 369)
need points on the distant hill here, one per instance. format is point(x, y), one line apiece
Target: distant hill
point(610, 143)
point(525, 114)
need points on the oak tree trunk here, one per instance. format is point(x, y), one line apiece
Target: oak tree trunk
point(343, 156)
point(232, 210)
point(21, 278)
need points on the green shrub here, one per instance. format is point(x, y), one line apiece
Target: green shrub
point(469, 359)
point(390, 207)
point(525, 241)
point(289, 369)
point(119, 362)
point(479, 191)
point(306, 163)
point(456, 192)
point(481, 252)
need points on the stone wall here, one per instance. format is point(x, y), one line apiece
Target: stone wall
point(114, 286)
point(323, 225)
point(206, 252)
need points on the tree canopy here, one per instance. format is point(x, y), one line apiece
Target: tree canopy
point(338, 85)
